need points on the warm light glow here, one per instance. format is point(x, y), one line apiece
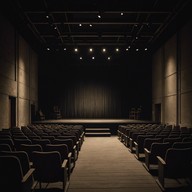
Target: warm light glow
point(93, 57)
point(76, 50)
point(90, 50)
point(104, 50)
point(80, 58)
point(109, 58)
point(117, 49)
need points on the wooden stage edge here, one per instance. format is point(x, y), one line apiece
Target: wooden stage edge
point(93, 121)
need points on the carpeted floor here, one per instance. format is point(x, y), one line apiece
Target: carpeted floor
point(106, 165)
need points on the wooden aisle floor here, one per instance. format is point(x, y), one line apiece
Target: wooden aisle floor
point(106, 165)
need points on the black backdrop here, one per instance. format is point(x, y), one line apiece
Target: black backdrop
point(96, 88)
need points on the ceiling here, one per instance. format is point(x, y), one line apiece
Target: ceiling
point(127, 24)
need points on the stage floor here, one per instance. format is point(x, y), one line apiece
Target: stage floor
point(95, 121)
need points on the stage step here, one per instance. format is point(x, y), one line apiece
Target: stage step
point(97, 132)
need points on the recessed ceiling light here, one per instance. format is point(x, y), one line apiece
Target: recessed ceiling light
point(145, 49)
point(121, 13)
point(80, 58)
point(90, 25)
point(76, 50)
point(117, 49)
point(127, 49)
point(108, 58)
point(64, 48)
point(48, 49)
point(99, 16)
point(90, 50)
point(104, 50)
point(80, 24)
point(93, 57)
point(137, 49)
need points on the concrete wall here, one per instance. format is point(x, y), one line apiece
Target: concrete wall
point(18, 76)
point(172, 80)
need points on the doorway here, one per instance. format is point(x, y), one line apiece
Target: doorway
point(158, 112)
point(12, 109)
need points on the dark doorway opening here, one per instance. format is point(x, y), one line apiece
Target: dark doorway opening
point(12, 107)
point(158, 112)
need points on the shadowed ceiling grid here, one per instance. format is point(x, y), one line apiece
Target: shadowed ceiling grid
point(130, 24)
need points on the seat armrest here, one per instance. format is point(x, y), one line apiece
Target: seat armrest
point(28, 175)
point(69, 155)
point(64, 164)
point(146, 150)
point(161, 161)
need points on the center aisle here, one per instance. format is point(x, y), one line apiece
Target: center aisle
point(105, 165)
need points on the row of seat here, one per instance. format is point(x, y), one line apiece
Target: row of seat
point(170, 155)
point(51, 157)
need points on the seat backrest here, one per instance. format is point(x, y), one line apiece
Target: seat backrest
point(51, 138)
point(178, 162)
point(48, 166)
point(9, 142)
point(149, 141)
point(11, 173)
point(18, 142)
point(29, 148)
point(159, 149)
point(68, 142)
point(5, 147)
point(61, 148)
point(182, 145)
point(187, 139)
point(42, 142)
point(22, 156)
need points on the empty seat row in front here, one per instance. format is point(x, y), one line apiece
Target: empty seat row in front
point(17, 174)
point(65, 146)
point(163, 149)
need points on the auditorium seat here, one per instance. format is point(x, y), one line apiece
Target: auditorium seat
point(175, 165)
point(139, 144)
point(5, 147)
point(65, 155)
point(14, 177)
point(157, 149)
point(49, 168)
point(29, 148)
